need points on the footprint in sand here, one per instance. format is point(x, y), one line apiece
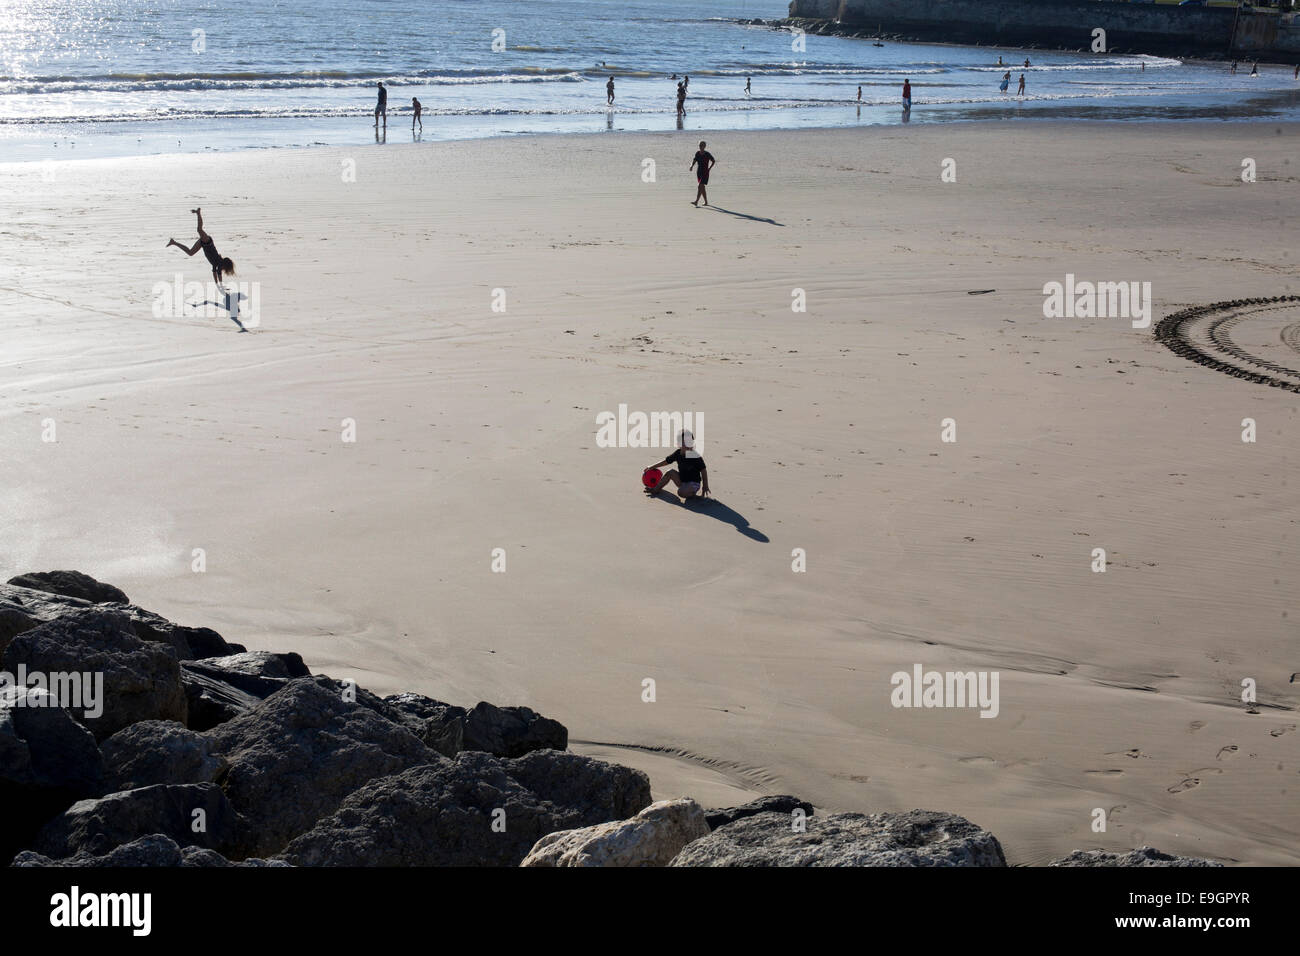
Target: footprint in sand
point(1187, 784)
point(1194, 726)
point(1225, 752)
point(1105, 773)
point(1134, 753)
point(1279, 731)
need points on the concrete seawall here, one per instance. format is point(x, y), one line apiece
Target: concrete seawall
point(1068, 25)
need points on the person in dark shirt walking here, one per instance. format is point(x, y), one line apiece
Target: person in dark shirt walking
point(702, 163)
point(690, 476)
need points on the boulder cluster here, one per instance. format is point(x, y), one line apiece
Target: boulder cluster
point(128, 740)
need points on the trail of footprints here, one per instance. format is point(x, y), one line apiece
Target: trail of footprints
point(1192, 779)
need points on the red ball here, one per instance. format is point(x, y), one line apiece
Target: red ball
point(652, 477)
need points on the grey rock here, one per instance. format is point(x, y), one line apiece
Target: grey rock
point(258, 664)
point(157, 849)
point(296, 755)
point(651, 838)
point(442, 814)
point(511, 731)
point(607, 791)
point(95, 827)
point(141, 680)
point(1142, 856)
point(196, 856)
point(153, 850)
point(915, 838)
point(777, 804)
point(221, 688)
point(47, 761)
point(22, 608)
point(159, 751)
point(211, 701)
point(71, 584)
point(441, 726)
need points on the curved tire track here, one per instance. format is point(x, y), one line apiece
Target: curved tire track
point(1173, 331)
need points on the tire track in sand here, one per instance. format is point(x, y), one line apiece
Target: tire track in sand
point(1201, 334)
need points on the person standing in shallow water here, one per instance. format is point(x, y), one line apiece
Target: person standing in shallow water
point(609, 91)
point(415, 118)
point(381, 106)
point(1021, 91)
point(907, 94)
point(704, 161)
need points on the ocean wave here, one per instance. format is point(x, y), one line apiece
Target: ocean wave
point(695, 105)
point(313, 79)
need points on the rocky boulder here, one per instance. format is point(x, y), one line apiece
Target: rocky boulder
point(606, 791)
point(154, 850)
point(511, 731)
point(296, 755)
point(476, 810)
point(195, 814)
point(257, 664)
point(778, 804)
point(159, 751)
point(23, 608)
point(1142, 856)
point(140, 679)
point(47, 761)
point(651, 838)
point(915, 838)
point(71, 584)
point(441, 726)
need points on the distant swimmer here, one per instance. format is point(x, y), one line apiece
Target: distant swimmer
point(673, 77)
point(609, 91)
point(415, 117)
point(681, 99)
point(748, 91)
point(1021, 91)
point(686, 81)
point(907, 94)
point(220, 264)
point(1026, 63)
point(1234, 67)
point(1006, 81)
point(1000, 63)
point(1254, 70)
point(704, 161)
point(381, 107)
point(859, 92)
point(1296, 74)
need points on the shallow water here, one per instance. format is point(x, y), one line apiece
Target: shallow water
point(119, 77)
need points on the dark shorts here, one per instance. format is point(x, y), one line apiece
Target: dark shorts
point(702, 178)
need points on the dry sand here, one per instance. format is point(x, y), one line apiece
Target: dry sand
point(476, 429)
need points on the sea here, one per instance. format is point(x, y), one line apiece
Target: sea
point(90, 78)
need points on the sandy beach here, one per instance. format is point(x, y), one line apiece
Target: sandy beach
point(475, 430)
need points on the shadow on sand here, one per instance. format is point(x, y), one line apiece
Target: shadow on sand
point(741, 215)
point(714, 508)
point(234, 312)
